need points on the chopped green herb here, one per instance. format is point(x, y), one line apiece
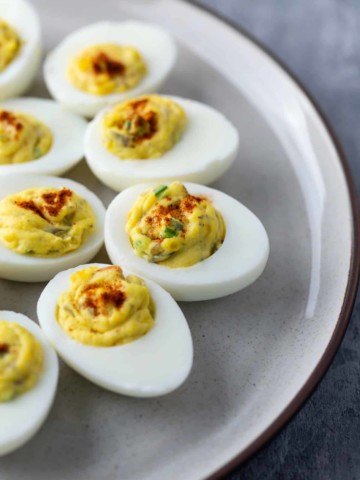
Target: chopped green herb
point(176, 224)
point(141, 122)
point(169, 233)
point(141, 131)
point(138, 243)
point(37, 152)
point(8, 396)
point(127, 125)
point(158, 191)
point(59, 232)
point(68, 220)
point(123, 139)
point(69, 310)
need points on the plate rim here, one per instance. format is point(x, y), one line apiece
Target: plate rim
point(354, 271)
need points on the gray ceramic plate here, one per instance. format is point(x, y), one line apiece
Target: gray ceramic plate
point(258, 353)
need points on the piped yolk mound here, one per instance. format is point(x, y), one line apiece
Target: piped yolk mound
point(105, 69)
point(21, 360)
point(169, 226)
point(103, 308)
point(145, 127)
point(22, 138)
point(45, 222)
point(10, 44)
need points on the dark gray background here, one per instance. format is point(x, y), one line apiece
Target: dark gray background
point(320, 41)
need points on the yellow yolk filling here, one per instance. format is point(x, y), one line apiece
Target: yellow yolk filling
point(145, 127)
point(21, 360)
point(22, 138)
point(169, 226)
point(107, 68)
point(10, 44)
point(103, 308)
point(45, 222)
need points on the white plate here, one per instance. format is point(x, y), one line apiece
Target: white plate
point(258, 353)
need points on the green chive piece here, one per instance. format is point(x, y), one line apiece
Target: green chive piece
point(127, 124)
point(158, 191)
point(169, 233)
point(176, 225)
point(37, 152)
point(137, 243)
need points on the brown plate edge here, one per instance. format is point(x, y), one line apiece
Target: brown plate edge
point(353, 278)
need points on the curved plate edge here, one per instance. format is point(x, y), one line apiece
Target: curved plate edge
point(353, 277)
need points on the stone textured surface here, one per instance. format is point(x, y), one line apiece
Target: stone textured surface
point(319, 41)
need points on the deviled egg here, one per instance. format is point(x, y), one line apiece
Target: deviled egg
point(196, 242)
point(106, 62)
point(153, 138)
point(47, 224)
point(39, 136)
point(119, 331)
point(28, 379)
point(20, 47)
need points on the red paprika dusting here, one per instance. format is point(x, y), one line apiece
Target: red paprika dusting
point(11, 119)
point(145, 122)
point(55, 201)
point(31, 205)
point(99, 296)
point(138, 105)
point(103, 64)
point(163, 214)
point(4, 348)
point(150, 119)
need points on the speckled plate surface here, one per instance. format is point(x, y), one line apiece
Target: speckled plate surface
point(258, 353)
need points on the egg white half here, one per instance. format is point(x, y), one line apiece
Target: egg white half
point(22, 417)
point(155, 45)
point(68, 132)
point(206, 150)
point(25, 268)
point(20, 73)
point(155, 364)
point(236, 264)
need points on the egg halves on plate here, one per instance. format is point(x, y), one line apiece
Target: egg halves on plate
point(20, 40)
point(47, 224)
point(156, 138)
point(38, 136)
point(107, 62)
point(22, 416)
point(158, 355)
point(196, 242)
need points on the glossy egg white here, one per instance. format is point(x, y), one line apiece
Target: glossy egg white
point(25, 268)
point(206, 150)
point(20, 73)
point(236, 264)
point(22, 417)
point(155, 364)
point(155, 45)
point(67, 128)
